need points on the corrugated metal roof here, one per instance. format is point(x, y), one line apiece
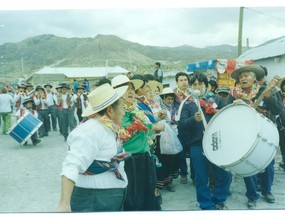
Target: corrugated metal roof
point(83, 72)
point(272, 49)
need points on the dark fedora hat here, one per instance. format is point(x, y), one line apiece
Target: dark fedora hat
point(223, 89)
point(257, 70)
point(22, 86)
point(26, 100)
point(64, 85)
point(47, 84)
point(80, 87)
point(29, 85)
point(39, 87)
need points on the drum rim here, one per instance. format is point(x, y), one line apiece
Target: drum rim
point(211, 122)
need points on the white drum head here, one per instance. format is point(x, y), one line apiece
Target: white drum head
point(230, 134)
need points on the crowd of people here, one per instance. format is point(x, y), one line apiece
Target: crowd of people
point(116, 136)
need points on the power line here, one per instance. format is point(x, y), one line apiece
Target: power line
point(273, 17)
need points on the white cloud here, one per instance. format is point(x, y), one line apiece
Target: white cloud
point(198, 27)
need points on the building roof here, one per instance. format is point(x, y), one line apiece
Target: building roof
point(273, 49)
point(83, 72)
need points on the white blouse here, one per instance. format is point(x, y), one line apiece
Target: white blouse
point(91, 141)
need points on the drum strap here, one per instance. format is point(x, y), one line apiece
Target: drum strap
point(177, 117)
point(22, 112)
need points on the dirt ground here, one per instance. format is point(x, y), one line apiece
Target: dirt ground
point(30, 180)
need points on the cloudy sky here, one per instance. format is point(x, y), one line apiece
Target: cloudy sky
point(158, 24)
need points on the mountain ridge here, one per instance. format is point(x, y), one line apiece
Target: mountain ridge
point(34, 53)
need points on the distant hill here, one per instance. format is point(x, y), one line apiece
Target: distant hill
point(36, 52)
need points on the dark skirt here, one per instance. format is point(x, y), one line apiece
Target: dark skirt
point(169, 168)
point(92, 200)
point(140, 170)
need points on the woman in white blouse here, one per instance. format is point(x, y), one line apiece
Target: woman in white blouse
point(93, 178)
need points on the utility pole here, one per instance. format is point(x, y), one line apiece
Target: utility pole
point(130, 59)
point(240, 30)
point(22, 65)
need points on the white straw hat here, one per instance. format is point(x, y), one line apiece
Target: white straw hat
point(102, 97)
point(167, 90)
point(155, 85)
point(123, 79)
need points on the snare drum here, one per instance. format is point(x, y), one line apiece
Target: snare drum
point(240, 140)
point(24, 128)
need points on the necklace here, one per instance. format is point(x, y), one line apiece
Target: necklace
point(239, 93)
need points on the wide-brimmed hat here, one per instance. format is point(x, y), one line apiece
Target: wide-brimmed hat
point(29, 85)
point(22, 86)
point(47, 84)
point(257, 70)
point(223, 89)
point(167, 90)
point(80, 87)
point(280, 82)
point(26, 100)
point(64, 85)
point(123, 79)
point(102, 97)
point(39, 87)
point(155, 85)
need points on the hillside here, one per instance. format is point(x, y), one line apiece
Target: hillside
point(36, 52)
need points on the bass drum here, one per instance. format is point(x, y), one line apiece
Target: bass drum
point(240, 140)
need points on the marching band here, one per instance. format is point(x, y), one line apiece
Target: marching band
point(192, 105)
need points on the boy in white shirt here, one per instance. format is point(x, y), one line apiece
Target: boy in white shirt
point(28, 104)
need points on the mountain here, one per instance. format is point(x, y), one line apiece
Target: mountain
point(37, 52)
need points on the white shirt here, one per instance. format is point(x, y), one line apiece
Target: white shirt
point(42, 102)
point(88, 142)
point(6, 101)
point(24, 110)
point(20, 97)
point(64, 99)
point(51, 98)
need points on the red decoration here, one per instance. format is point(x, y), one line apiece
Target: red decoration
point(208, 107)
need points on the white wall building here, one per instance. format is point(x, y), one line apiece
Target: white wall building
point(270, 55)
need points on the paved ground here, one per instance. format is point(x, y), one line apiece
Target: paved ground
point(30, 180)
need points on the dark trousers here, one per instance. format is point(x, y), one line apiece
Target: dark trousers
point(203, 193)
point(266, 181)
point(79, 112)
point(66, 120)
point(282, 143)
point(92, 200)
point(43, 116)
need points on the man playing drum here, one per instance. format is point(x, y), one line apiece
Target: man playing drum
point(28, 104)
point(248, 91)
point(191, 124)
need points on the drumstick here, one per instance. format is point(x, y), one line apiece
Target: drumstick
point(196, 94)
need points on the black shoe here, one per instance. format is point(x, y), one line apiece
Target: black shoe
point(268, 197)
point(159, 199)
point(221, 207)
point(26, 143)
point(251, 204)
point(282, 166)
point(170, 187)
point(36, 142)
point(41, 136)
